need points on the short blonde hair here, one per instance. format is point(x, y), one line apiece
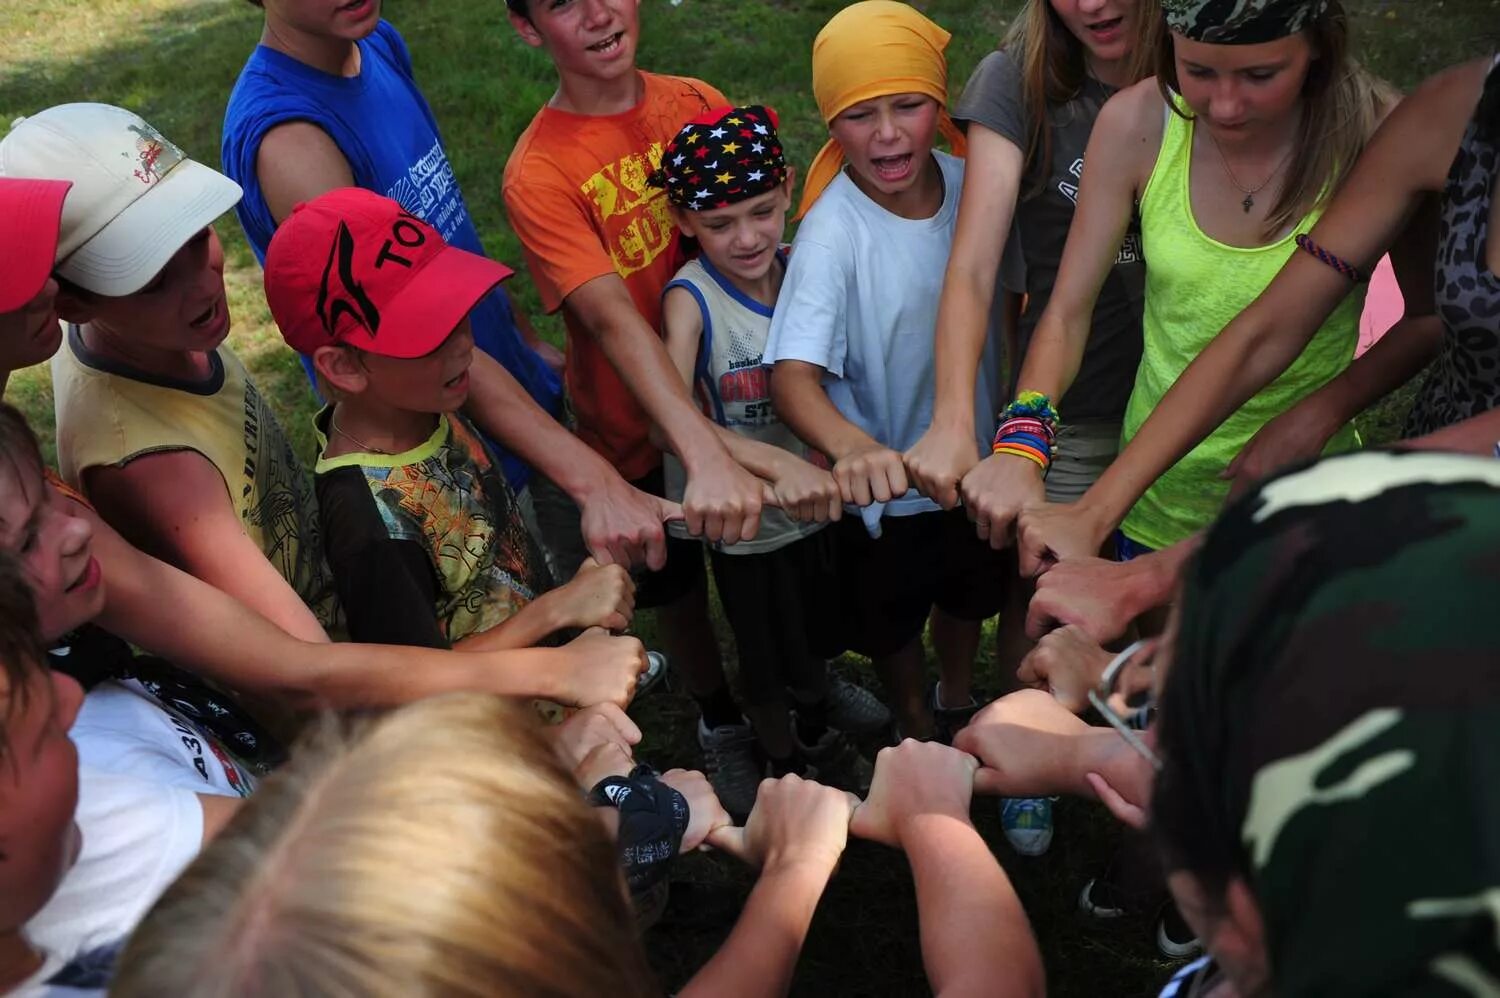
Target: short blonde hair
point(438, 850)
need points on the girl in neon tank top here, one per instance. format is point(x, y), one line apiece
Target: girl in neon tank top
point(1254, 117)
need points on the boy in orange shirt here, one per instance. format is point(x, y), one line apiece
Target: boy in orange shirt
point(601, 247)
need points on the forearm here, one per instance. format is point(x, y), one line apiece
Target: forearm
point(1236, 365)
point(962, 324)
point(169, 613)
point(1152, 578)
point(803, 405)
point(531, 625)
point(1400, 355)
point(976, 939)
point(642, 361)
point(503, 410)
point(1477, 435)
point(761, 953)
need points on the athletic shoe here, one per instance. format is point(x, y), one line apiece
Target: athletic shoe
point(838, 762)
point(854, 709)
point(1102, 900)
point(732, 763)
point(1027, 822)
point(656, 668)
point(1174, 940)
point(947, 721)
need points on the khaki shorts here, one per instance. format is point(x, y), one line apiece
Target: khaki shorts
point(1082, 453)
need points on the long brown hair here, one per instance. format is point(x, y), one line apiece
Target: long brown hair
point(1054, 65)
point(1342, 105)
point(439, 850)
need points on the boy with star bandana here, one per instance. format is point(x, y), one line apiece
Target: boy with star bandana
point(729, 188)
point(601, 247)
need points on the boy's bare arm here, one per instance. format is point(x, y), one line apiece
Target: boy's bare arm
point(174, 505)
point(722, 500)
point(804, 491)
point(866, 470)
point(297, 162)
point(167, 612)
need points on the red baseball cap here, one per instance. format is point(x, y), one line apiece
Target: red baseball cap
point(353, 267)
point(30, 216)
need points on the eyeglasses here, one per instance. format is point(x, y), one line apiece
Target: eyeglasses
point(1101, 695)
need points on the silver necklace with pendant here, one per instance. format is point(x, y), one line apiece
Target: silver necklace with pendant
point(1249, 192)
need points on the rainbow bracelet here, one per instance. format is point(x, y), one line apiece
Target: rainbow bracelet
point(1028, 428)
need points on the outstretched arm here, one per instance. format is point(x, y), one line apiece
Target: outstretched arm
point(795, 834)
point(976, 939)
point(1407, 159)
point(1116, 164)
point(805, 492)
point(992, 183)
point(722, 500)
point(169, 613)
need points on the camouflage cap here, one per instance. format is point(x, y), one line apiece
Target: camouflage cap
point(1241, 22)
point(1331, 718)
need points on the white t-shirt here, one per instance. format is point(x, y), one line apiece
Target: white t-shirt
point(860, 300)
point(138, 835)
point(123, 729)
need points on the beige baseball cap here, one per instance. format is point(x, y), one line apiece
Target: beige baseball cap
point(136, 199)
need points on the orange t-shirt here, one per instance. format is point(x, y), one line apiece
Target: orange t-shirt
point(575, 190)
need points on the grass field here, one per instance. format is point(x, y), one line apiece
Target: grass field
point(174, 61)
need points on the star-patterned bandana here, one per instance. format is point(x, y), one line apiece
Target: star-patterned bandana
point(722, 157)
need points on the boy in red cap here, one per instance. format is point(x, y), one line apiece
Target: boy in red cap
point(423, 534)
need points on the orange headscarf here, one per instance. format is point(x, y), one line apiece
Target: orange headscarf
point(874, 49)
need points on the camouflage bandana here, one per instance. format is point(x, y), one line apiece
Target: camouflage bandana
point(1241, 22)
point(722, 157)
point(1337, 678)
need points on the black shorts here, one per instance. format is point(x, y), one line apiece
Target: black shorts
point(784, 609)
point(930, 559)
point(683, 571)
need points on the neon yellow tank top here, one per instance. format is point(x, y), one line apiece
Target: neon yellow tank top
point(1195, 286)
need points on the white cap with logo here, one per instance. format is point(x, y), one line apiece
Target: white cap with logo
point(136, 199)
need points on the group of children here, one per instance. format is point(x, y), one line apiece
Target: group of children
point(487, 514)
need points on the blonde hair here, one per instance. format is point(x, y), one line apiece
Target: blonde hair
point(1054, 65)
point(438, 850)
point(1343, 103)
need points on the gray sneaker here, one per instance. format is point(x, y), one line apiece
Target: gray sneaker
point(838, 762)
point(854, 709)
point(731, 760)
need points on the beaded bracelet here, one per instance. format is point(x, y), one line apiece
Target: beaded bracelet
point(1028, 428)
point(1338, 263)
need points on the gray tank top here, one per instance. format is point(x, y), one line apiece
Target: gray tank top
point(734, 387)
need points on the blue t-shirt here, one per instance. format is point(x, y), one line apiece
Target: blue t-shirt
point(383, 126)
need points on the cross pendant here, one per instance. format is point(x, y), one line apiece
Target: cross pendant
point(1248, 203)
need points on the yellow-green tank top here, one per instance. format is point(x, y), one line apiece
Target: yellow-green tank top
point(1195, 286)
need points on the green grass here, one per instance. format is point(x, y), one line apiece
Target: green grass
point(174, 61)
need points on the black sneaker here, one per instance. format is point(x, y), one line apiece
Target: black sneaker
point(732, 763)
point(838, 763)
point(948, 721)
point(854, 709)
